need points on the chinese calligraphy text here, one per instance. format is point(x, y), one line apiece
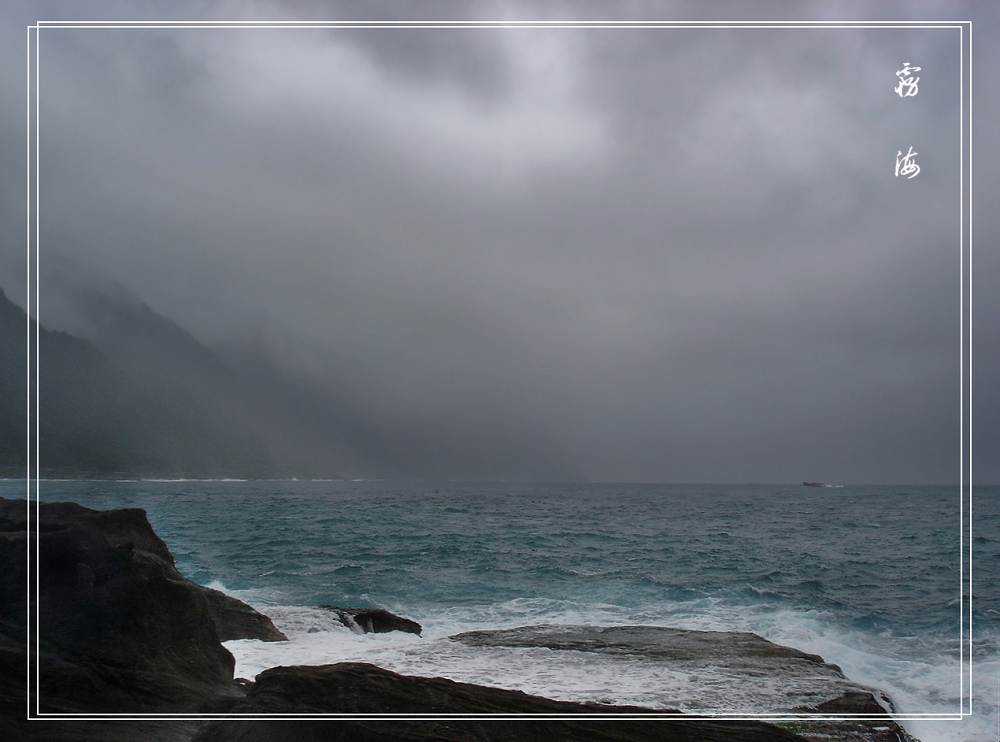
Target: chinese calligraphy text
point(905, 164)
point(907, 85)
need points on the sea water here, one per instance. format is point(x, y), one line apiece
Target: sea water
point(868, 577)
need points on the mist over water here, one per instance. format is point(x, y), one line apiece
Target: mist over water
point(584, 254)
point(866, 577)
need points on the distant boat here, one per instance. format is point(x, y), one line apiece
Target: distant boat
point(820, 484)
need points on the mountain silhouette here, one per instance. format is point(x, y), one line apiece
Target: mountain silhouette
point(142, 396)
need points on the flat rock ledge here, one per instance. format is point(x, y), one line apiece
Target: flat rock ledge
point(358, 688)
point(792, 681)
point(655, 642)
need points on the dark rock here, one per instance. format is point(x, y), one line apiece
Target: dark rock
point(120, 630)
point(649, 641)
point(373, 620)
point(356, 688)
point(109, 731)
point(13, 681)
point(234, 619)
point(852, 703)
point(735, 660)
point(800, 680)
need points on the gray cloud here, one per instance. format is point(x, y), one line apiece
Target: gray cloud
point(585, 253)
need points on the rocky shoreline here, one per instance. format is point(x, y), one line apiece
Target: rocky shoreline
point(122, 631)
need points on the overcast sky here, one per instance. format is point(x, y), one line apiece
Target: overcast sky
point(605, 254)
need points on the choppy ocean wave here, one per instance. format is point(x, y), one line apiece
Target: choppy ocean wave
point(867, 577)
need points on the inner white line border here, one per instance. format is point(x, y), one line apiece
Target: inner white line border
point(965, 324)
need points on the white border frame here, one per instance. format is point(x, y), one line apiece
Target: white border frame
point(965, 374)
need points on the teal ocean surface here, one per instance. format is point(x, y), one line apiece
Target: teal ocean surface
point(868, 577)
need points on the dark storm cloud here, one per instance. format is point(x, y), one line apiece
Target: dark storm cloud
point(475, 61)
point(604, 253)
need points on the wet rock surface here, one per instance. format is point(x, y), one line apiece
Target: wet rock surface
point(649, 641)
point(358, 688)
point(793, 681)
point(867, 728)
point(737, 672)
point(373, 620)
point(234, 619)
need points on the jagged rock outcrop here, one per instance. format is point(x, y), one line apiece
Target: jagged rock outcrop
point(358, 688)
point(234, 619)
point(373, 620)
point(851, 703)
point(120, 629)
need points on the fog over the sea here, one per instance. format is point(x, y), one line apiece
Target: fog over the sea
point(581, 253)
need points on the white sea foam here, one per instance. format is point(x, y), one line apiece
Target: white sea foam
point(563, 675)
point(915, 686)
point(918, 681)
point(317, 637)
point(263, 599)
point(184, 479)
